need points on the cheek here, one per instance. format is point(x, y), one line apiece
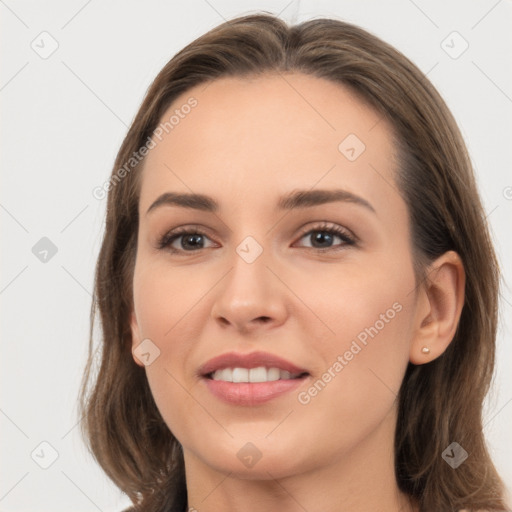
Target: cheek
point(370, 315)
point(162, 300)
point(363, 362)
point(170, 312)
point(361, 301)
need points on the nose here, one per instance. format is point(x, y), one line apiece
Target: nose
point(250, 297)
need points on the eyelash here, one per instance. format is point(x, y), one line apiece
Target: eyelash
point(167, 239)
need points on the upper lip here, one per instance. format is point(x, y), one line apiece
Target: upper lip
point(251, 360)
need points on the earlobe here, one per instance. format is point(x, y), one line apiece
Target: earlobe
point(440, 302)
point(136, 339)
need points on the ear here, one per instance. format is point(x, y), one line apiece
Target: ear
point(136, 339)
point(438, 309)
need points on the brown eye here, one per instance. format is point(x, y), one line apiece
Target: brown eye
point(324, 237)
point(183, 240)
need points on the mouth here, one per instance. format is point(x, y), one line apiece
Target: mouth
point(253, 375)
point(250, 379)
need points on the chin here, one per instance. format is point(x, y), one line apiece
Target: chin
point(250, 458)
point(273, 467)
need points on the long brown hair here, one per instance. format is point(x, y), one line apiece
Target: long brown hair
point(440, 402)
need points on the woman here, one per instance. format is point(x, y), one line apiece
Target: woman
point(297, 288)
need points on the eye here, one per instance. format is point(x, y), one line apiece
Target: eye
point(191, 239)
point(323, 236)
point(188, 239)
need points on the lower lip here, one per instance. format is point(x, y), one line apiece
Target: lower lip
point(251, 393)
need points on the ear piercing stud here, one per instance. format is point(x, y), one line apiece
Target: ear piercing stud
point(425, 350)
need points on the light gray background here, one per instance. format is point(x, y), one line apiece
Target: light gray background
point(63, 120)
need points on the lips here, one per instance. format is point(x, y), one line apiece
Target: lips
point(252, 360)
point(242, 393)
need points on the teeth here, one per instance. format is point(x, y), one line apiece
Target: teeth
point(273, 374)
point(240, 375)
point(226, 374)
point(260, 374)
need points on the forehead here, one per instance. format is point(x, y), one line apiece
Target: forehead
point(253, 136)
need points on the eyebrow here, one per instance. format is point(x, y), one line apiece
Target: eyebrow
point(294, 200)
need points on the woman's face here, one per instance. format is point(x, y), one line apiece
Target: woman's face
point(264, 272)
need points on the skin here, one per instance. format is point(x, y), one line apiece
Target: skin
point(247, 143)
